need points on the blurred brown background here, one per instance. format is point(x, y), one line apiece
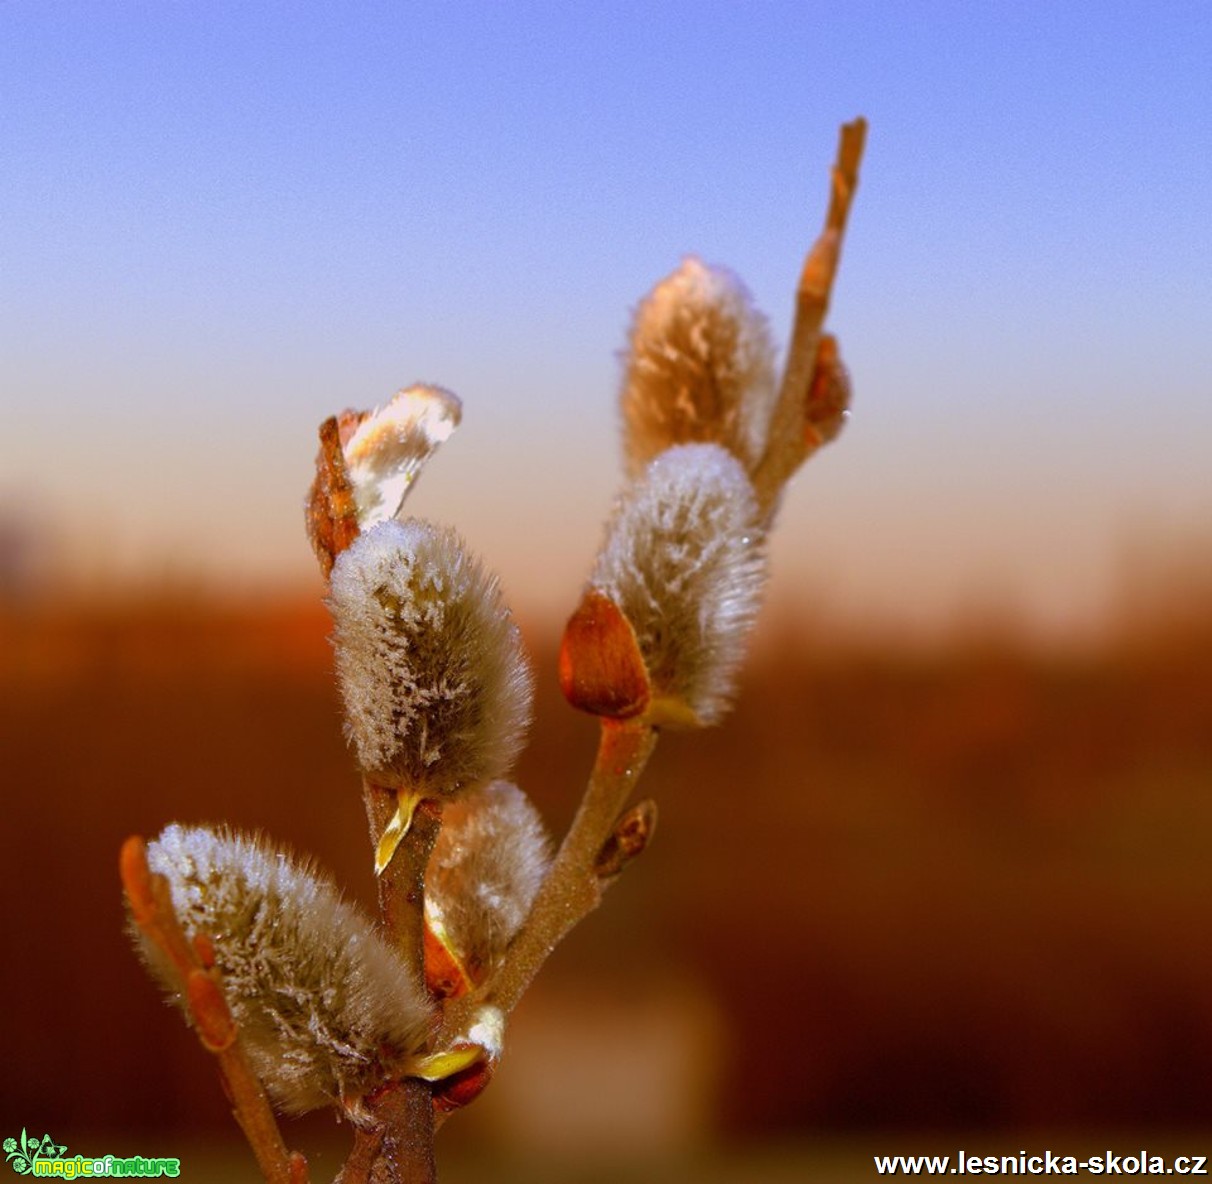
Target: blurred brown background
point(950, 887)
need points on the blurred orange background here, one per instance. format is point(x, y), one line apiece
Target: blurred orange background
point(950, 887)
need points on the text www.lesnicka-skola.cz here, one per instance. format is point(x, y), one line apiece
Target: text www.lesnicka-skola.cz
point(1047, 1163)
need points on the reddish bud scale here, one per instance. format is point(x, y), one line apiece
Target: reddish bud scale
point(136, 879)
point(332, 518)
point(205, 950)
point(151, 906)
point(210, 1012)
point(458, 1090)
point(445, 975)
point(602, 671)
point(828, 395)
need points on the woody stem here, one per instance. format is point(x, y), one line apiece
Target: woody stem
point(406, 1155)
point(787, 448)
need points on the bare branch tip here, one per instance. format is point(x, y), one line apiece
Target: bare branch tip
point(854, 134)
point(844, 175)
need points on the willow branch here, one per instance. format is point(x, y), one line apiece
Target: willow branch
point(406, 1111)
point(367, 1145)
point(788, 449)
point(200, 985)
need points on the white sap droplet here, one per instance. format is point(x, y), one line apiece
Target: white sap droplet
point(390, 446)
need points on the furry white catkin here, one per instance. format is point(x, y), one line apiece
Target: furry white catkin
point(486, 869)
point(699, 367)
point(684, 562)
point(437, 689)
point(320, 999)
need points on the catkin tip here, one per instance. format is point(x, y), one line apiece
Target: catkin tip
point(698, 367)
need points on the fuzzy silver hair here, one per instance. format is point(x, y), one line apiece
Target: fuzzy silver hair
point(699, 367)
point(684, 561)
point(436, 686)
point(489, 862)
point(320, 999)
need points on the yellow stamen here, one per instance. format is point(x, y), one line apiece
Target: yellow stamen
point(440, 1065)
point(407, 801)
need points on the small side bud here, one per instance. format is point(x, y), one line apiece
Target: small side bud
point(684, 562)
point(828, 403)
point(437, 689)
point(630, 838)
point(489, 861)
point(699, 368)
point(462, 1072)
point(323, 1005)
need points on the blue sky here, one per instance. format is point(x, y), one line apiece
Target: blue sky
point(220, 222)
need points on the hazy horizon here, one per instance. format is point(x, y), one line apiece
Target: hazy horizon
point(220, 224)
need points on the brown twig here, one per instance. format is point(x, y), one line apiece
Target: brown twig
point(406, 1110)
point(357, 1168)
point(787, 448)
point(201, 988)
point(573, 887)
